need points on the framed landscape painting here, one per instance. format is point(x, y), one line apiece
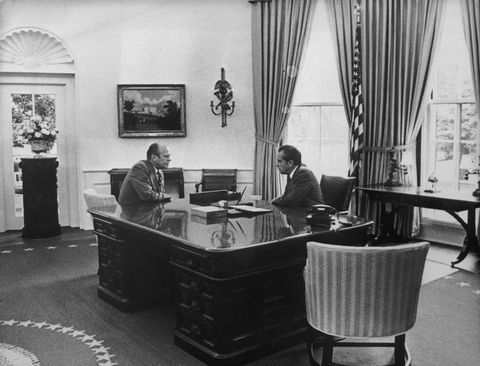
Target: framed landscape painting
point(151, 110)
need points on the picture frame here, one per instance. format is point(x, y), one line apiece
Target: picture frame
point(154, 110)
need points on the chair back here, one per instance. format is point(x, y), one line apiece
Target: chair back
point(218, 179)
point(363, 291)
point(94, 199)
point(337, 191)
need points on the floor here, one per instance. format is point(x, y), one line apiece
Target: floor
point(48, 302)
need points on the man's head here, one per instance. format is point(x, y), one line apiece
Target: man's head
point(288, 158)
point(159, 155)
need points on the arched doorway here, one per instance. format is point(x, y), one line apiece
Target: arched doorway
point(36, 76)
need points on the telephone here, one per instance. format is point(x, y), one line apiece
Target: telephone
point(320, 214)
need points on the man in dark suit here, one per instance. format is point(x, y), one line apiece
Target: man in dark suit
point(145, 182)
point(302, 187)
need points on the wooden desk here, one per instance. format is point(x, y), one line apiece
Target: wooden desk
point(451, 202)
point(238, 284)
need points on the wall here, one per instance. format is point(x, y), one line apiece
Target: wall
point(152, 42)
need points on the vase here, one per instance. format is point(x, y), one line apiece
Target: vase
point(39, 146)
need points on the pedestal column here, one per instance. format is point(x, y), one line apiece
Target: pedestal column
point(40, 204)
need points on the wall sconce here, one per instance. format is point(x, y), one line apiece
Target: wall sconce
point(223, 91)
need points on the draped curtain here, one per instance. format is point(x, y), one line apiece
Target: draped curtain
point(398, 43)
point(471, 27)
point(279, 33)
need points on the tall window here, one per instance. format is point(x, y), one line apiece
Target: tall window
point(450, 133)
point(317, 123)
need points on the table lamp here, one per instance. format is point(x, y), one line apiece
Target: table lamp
point(467, 162)
point(396, 169)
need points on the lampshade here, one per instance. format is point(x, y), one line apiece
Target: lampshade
point(407, 158)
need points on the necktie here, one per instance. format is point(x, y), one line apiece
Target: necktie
point(160, 181)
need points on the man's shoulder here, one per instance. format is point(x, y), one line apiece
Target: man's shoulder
point(303, 171)
point(142, 164)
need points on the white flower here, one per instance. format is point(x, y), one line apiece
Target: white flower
point(20, 132)
point(44, 131)
point(47, 132)
point(53, 133)
point(30, 130)
point(38, 134)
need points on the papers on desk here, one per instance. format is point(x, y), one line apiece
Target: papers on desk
point(250, 209)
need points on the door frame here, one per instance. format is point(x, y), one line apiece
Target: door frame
point(69, 139)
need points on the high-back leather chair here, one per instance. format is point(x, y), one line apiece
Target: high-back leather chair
point(337, 191)
point(359, 292)
point(218, 179)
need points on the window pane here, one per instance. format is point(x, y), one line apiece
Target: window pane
point(334, 123)
point(469, 123)
point(453, 77)
point(445, 121)
point(444, 164)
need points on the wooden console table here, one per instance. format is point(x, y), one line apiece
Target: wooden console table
point(238, 283)
point(451, 202)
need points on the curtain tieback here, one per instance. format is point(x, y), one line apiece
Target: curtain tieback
point(387, 148)
point(267, 141)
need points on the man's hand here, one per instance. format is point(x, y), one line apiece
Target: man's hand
point(165, 197)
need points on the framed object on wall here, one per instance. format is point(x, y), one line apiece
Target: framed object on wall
point(151, 110)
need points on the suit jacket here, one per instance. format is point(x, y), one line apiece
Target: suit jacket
point(301, 190)
point(141, 184)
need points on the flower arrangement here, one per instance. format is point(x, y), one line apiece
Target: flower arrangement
point(39, 129)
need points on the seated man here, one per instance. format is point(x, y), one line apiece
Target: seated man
point(144, 182)
point(302, 187)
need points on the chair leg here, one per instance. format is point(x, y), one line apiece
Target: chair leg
point(400, 350)
point(327, 350)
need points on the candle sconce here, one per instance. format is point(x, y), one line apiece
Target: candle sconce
point(223, 91)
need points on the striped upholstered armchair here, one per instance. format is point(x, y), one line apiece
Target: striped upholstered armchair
point(362, 292)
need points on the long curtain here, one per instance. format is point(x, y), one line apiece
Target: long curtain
point(471, 27)
point(399, 39)
point(279, 33)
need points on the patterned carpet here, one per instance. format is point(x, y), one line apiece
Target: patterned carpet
point(50, 314)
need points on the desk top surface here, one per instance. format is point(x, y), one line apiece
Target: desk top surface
point(175, 220)
point(420, 192)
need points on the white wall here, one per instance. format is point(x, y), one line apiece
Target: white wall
point(152, 42)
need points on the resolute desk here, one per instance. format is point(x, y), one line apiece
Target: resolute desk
point(238, 284)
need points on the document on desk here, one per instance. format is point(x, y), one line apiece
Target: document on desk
point(250, 209)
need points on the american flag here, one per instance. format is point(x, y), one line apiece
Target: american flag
point(356, 125)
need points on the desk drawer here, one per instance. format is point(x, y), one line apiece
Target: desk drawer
point(196, 328)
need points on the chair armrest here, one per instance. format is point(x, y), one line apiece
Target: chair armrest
point(197, 186)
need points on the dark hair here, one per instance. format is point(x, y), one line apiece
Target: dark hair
point(291, 153)
point(153, 149)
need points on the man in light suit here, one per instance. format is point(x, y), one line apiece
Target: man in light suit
point(302, 187)
point(145, 182)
